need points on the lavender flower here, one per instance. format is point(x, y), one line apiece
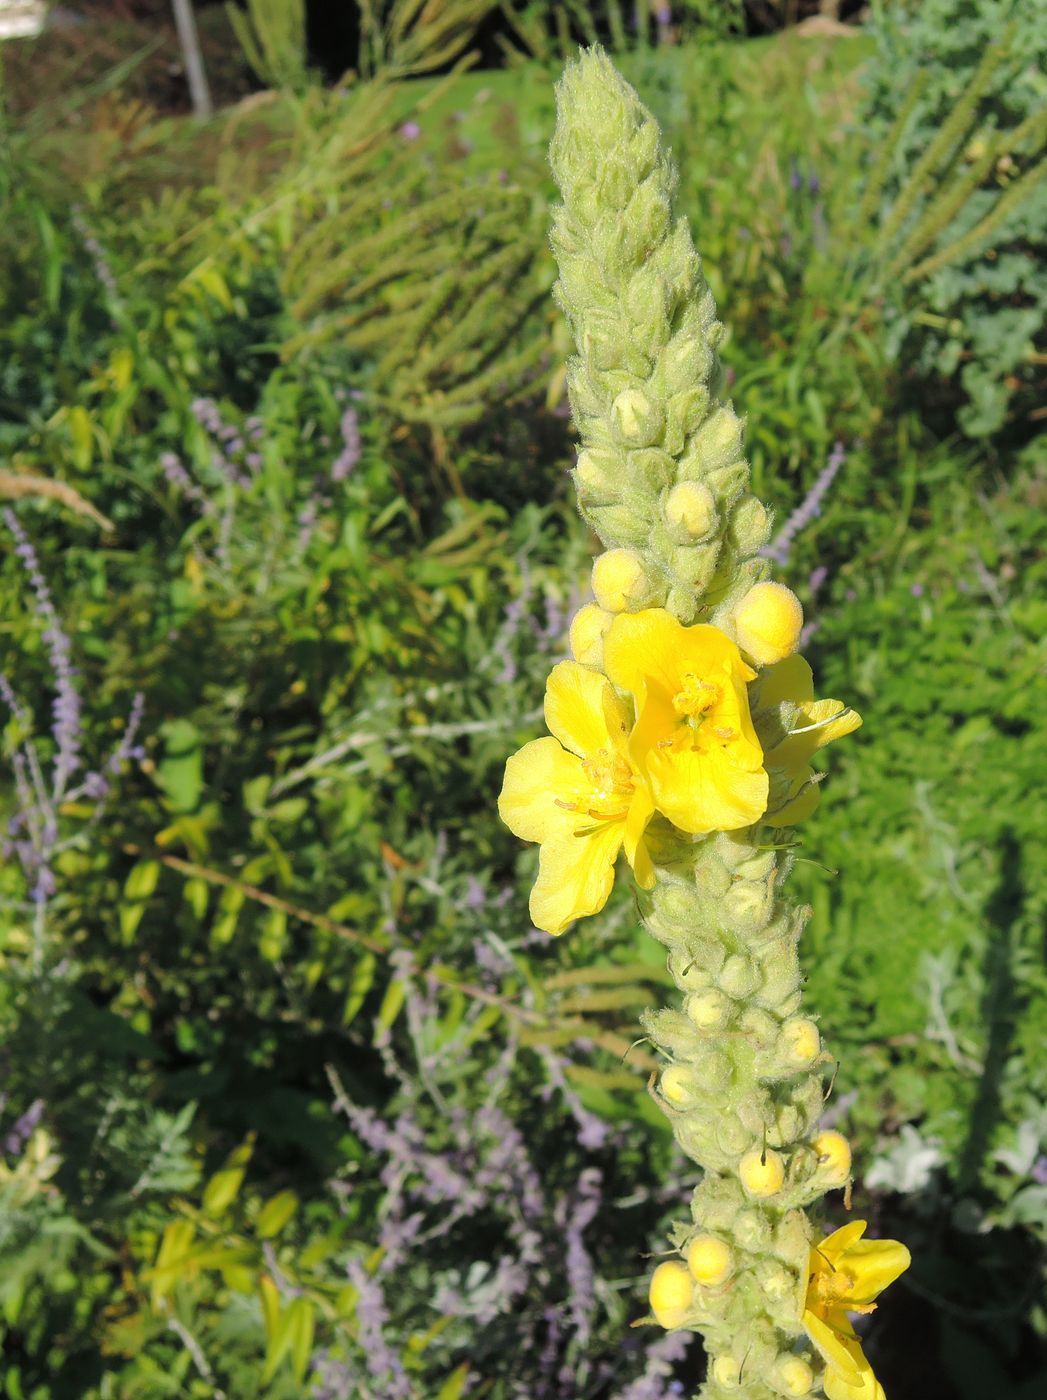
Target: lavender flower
point(352, 447)
point(661, 1356)
point(372, 1317)
point(808, 509)
point(67, 726)
point(410, 131)
point(23, 1128)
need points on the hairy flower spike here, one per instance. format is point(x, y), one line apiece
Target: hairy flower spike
point(684, 734)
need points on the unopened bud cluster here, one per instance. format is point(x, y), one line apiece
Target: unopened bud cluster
point(662, 478)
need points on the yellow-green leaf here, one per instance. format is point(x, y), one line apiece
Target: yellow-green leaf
point(82, 434)
point(138, 889)
point(455, 1383)
point(275, 1214)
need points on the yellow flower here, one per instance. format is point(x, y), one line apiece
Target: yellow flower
point(694, 737)
point(579, 795)
point(847, 1274)
point(788, 689)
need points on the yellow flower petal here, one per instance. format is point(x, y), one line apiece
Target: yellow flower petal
point(534, 777)
point(701, 792)
point(641, 810)
point(818, 722)
point(694, 735)
point(837, 1352)
point(874, 1265)
point(836, 1245)
point(791, 679)
point(838, 1387)
point(574, 707)
point(575, 875)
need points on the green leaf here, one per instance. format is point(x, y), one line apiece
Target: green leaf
point(275, 1214)
point(229, 907)
point(301, 1319)
point(138, 889)
point(392, 1005)
point(359, 985)
point(454, 1384)
point(224, 1186)
point(195, 893)
point(82, 434)
point(181, 770)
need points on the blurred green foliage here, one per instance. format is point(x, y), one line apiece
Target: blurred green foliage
point(300, 897)
point(975, 311)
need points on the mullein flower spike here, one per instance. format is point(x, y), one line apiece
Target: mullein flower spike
point(683, 734)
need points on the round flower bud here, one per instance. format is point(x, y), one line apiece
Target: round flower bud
point(690, 510)
point(709, 1260)
point(588, 629)
point(768, 622)
point(750, 525)
point(799, 1042)
point(708, 1010)
point(834, 1156)
point(671, 1293)
point(794, 1376)
point(598, 473)
point(688, 972)
point(762, 1172)
point(636, 418)
point(679, 1086)
point(725, 1371)
point(737, 977)
point(620, 580)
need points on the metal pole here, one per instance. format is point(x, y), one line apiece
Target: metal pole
point(194, 60)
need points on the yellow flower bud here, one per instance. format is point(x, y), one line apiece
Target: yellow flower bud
point(800, 1041)
point(691, 509)
point(620, 580)
point(725, 1371)
point(762, 1172)
point(794, 1376)
point(709, 1260)
point(588, 627)
point(768, 622)
point(671, 1293)
point(834, 1156)
point(636, 418)
point(708, 1010)
point(678, 1086)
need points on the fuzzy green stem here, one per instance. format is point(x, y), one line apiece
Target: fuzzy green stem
point(663, 479)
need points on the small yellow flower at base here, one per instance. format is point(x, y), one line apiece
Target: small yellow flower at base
point(709, 1260)
point(768, 622)
point(694, 736)
point(579, 795)
point(671, 1293)
point(620, 580)
point(834, 1156)
point(762, 1172)
point(794, 1376)
point(847, 1274)
point(588, 629)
